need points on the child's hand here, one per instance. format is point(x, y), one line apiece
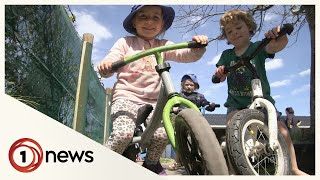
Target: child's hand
point(211, 107)
point(273, 33)
point(220, 73)
point(203, 39)
point(104, 69)
point(277, 43)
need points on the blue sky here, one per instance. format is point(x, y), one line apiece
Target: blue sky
point(288, 72)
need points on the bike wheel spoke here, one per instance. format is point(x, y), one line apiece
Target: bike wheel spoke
point(262, 161)
point(193, 156)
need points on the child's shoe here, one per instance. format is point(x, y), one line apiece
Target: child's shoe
point(156, 168)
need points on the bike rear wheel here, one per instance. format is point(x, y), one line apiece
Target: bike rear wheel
point(197, 145)
point(247, 146)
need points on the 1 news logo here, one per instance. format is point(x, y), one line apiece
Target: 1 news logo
point(26, 155)
point(25, 145)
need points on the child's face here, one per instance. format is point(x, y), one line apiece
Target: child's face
point(148, 22)
point(238, 33)
point(189, 86)
point(289, 115)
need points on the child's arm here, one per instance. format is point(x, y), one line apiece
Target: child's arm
point(276, 44)
point(203, 101)
point(187, 55)
point(207, 104)
point(220, 73)
point(116, 53)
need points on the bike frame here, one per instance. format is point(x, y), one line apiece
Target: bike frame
point(168, 96)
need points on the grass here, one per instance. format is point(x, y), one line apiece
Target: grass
point(166, 160)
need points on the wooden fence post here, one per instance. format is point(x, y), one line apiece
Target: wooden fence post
point(79, 119)
point(107, 119)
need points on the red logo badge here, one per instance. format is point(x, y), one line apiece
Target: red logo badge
point(36, 150)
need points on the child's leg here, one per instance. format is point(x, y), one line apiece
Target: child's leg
point(157, 145)
point(285, 133)
point(123, 114)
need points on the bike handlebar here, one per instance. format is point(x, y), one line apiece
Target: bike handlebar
point(194, 44)
point(211, 108)
point(116, 65)
point(191, 44)
point(285, 29)
point(215, 105)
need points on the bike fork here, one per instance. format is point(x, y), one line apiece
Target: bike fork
point(260, 102)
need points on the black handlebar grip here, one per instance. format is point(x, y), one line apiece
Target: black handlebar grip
point(215, 79)
point(194, 44)
point(285, 29)
point(217, 105)
point(116, 65)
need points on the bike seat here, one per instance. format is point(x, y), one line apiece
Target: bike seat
point(143, 113)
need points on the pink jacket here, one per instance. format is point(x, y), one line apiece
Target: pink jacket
point(138, 81)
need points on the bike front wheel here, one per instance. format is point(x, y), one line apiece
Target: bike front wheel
point(248, 149)
point(197, 145)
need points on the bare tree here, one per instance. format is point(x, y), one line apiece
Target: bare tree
point(310, 16)
point(191, 18)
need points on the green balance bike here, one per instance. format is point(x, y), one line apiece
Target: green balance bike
point(191, 135)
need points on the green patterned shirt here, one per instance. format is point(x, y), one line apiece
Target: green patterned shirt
point(239, 81)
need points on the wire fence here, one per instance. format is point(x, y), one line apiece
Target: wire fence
point(42, 58)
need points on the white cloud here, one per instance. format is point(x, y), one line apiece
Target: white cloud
point(305, 73)
point(276, 97)
point(214, 89)
point(274, 64)
point(292, 76)
point(85, 23)
point(280, 83)
point(98, 55)
point(303, 88)
point(270, 17)
point(195, 19)
point(214, 60)
point(187, 36)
